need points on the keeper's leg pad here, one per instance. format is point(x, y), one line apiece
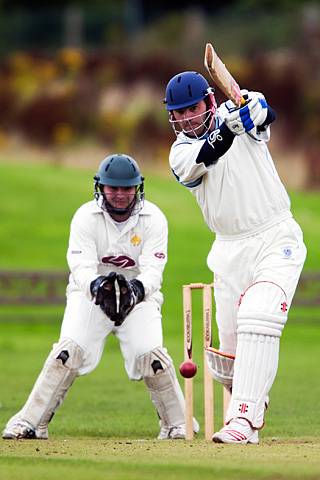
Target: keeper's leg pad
point(53, 383)
point(159, 375)
point(221, 366)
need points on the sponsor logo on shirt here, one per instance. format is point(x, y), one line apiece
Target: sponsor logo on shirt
point(120, 261)
point(160, 255)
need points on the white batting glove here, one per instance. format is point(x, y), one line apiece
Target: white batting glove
point(251, 115)
point(259, 114)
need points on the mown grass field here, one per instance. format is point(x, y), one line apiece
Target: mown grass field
point(107, 426)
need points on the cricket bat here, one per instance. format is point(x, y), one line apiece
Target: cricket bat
point(221, 76)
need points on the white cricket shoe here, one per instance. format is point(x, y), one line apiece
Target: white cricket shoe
point(238, 431)
point(176, 432)
point(17, 428)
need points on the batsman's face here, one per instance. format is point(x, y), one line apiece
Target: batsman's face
point(191, 120)
point(119, 197)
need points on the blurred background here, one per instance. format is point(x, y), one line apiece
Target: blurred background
point(80, 79)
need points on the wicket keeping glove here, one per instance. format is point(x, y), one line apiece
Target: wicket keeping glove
point(131, 293)
point(104, 291)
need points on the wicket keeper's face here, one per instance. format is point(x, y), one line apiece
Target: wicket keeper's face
point(119, 197)
point(191, 120)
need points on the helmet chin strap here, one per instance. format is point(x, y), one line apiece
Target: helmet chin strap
point(194, 132)
point(121, 212)
point(133, 208)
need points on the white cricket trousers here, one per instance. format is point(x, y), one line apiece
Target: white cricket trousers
point(86, 324)
point(275, 255)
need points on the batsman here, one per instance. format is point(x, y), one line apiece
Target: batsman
point(221, 156)
point(117, 253)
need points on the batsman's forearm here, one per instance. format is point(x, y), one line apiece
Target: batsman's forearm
point(217, 144)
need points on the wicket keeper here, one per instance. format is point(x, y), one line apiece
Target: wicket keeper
point(117, 253)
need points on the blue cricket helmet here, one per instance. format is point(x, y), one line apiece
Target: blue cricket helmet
point(186, 89)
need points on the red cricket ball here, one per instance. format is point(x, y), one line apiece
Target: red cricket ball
point(188, 369)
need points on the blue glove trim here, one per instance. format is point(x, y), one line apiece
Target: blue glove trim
point(263, 102)
point(246, 119)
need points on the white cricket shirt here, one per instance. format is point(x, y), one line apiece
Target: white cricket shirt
point(97, 247)
point(239, 195)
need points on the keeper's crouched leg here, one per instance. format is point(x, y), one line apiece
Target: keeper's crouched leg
point(158, 373)
point(49, 391)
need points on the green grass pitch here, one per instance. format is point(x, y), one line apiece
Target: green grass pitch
point(107, 426)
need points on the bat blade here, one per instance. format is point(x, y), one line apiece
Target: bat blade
point(221, 76)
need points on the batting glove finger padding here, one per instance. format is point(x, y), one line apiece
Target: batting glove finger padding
point(221, 366)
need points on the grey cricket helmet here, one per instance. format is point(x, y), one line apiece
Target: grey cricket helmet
point(119, 170)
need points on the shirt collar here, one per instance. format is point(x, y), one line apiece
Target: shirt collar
point(146, 209)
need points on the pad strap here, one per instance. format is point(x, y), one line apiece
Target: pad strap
point(53, 383)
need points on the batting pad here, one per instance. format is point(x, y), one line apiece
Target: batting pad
point(263, 308)
point(159, 375)
point(255, 369)
point(53, 383)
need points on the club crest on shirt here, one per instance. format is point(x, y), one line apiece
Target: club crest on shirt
point(135, 240)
